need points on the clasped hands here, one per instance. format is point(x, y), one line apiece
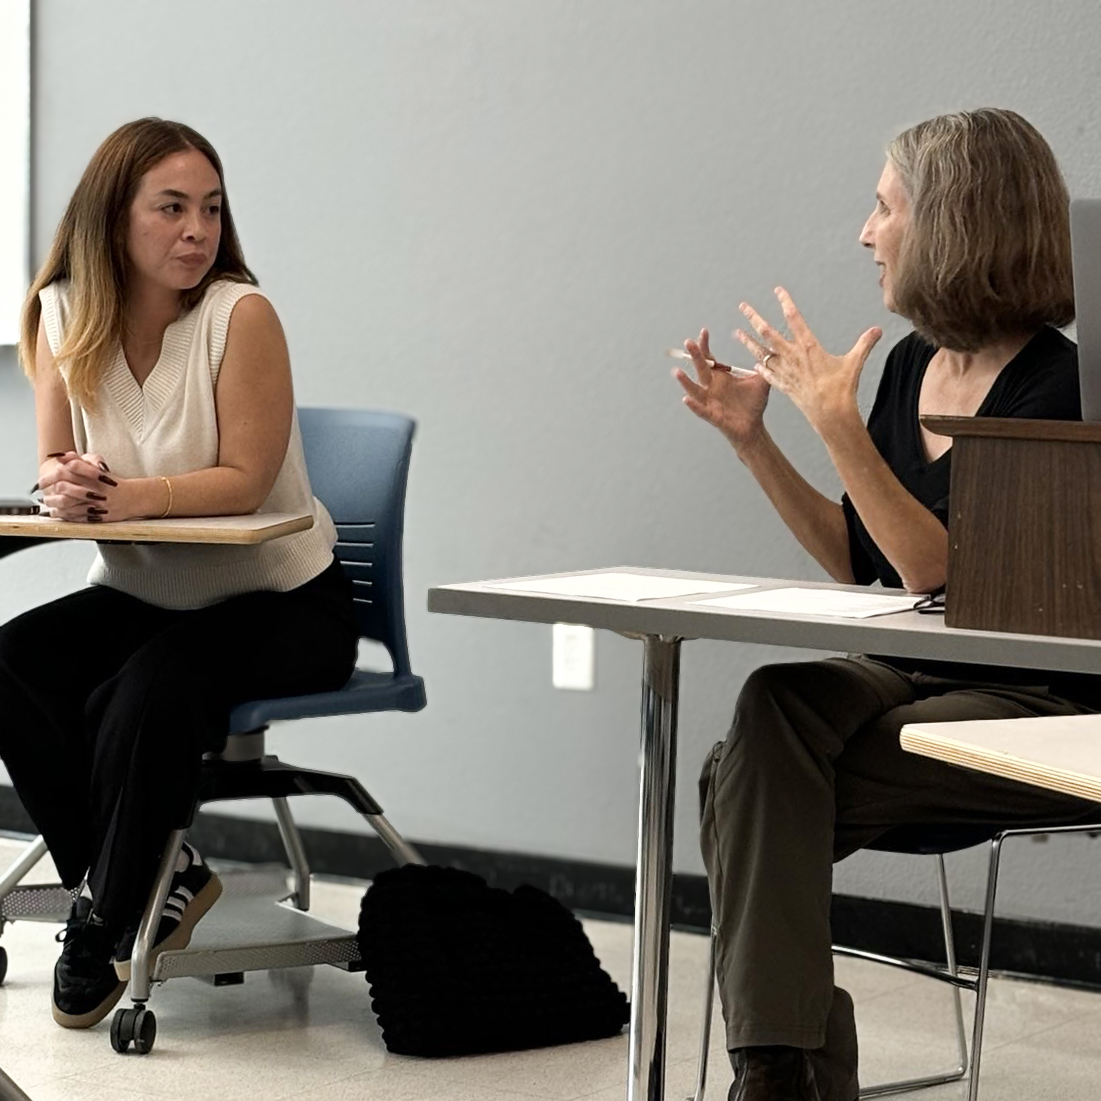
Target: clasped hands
point(79, 487)
point(822, 386)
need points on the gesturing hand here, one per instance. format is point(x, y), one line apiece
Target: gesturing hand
point(821, 385)
point(734, 404)
point(77, 487)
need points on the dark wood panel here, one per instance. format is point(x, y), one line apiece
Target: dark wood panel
point(1025, 536)
point(1015, 428)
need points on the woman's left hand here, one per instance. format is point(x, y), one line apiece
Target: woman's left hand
point(821, 385)
point(79, 488)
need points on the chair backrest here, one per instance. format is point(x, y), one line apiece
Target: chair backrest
point(358, 461)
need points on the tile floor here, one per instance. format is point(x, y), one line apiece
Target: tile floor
point(309, 1034)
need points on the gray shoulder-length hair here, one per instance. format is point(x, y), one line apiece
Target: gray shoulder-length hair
point(987, 251)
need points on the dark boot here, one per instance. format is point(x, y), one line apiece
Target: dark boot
point(772, 1074)
point(836, 1061)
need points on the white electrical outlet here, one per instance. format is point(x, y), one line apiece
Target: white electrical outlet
point(573, 657)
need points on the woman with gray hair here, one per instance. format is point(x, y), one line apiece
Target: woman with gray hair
point(971, 234)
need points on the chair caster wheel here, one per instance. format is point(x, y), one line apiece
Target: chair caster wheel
point(3, 965)
point(136, 1025)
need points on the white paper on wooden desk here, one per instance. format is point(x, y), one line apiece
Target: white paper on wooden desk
point(825, 602)
point(619, 586)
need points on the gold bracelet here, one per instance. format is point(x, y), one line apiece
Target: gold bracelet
point(168, 507)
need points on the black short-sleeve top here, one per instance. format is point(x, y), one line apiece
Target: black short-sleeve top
point(1041, 382)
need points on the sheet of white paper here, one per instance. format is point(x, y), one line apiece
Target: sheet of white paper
point(619, 586)
point(815, 602)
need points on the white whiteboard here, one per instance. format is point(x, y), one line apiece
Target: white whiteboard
point(15, 162)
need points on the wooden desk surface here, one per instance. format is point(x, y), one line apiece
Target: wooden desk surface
point(1014, 428)
point(240, 530)
point(1062, 753)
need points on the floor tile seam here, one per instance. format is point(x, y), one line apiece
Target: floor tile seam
point(88, 1074)
point(170, 1089)
point(864, 999)
point(365, 1076)
point(1076, 1019)
point(669, 1065)
point(542, 1095)
point(28, 1080)
point(312, 1088)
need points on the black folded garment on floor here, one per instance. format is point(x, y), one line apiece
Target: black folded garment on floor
point(459, 968)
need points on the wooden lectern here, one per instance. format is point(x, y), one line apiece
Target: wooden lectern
point(1024, 526)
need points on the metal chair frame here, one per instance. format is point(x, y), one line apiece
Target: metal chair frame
point(949, 973)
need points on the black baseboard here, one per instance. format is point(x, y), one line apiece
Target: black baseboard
point(1046, 951)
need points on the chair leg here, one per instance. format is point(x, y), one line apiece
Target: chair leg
point(356, 796)
point(705, 1032)
point(950, 959)
point(400, 849)
point(952, 968)
point(275, 780)
point(22, 864)
point(984, 965)
point(296, 853)
point(908, 1084)
point(9, 1091)
point(31, 901)
point(140, 977)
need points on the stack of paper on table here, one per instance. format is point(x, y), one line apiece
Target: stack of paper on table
point(618, 585)
point(824, 602)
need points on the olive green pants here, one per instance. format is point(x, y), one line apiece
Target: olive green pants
point(812, 771)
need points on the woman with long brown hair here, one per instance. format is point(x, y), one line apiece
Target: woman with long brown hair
point(971, 234)
point(162, 388)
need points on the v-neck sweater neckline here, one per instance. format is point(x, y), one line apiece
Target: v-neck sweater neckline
point(142, 404)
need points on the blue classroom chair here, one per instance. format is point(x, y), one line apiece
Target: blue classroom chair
point(358, 462)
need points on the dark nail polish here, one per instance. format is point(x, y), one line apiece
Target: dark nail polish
point(92, 511)
point(95, 496)
point(104, 467)
point(93, 519)
point(55, 455)
point(107, 481)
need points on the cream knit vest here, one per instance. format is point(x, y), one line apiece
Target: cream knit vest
point(169, 426)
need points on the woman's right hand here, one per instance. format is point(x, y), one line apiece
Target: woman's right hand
point(734, 404)
point(74, 487)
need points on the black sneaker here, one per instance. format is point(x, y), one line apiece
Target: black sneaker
point(195, 888)
point(86, 986)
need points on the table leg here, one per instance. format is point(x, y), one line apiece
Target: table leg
point(660, 677)
point(9, 1091)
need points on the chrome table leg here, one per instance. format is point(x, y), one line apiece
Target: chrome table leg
point(661, 673)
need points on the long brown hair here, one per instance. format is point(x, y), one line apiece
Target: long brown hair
point(89, 250)
point(987, 251)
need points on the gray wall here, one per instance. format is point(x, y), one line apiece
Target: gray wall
point(494, 215)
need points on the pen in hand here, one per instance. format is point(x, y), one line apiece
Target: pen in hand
point(741, 372)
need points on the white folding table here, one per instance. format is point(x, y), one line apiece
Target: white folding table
point(662, 625)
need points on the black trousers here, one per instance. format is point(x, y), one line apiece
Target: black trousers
point(108, 703)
